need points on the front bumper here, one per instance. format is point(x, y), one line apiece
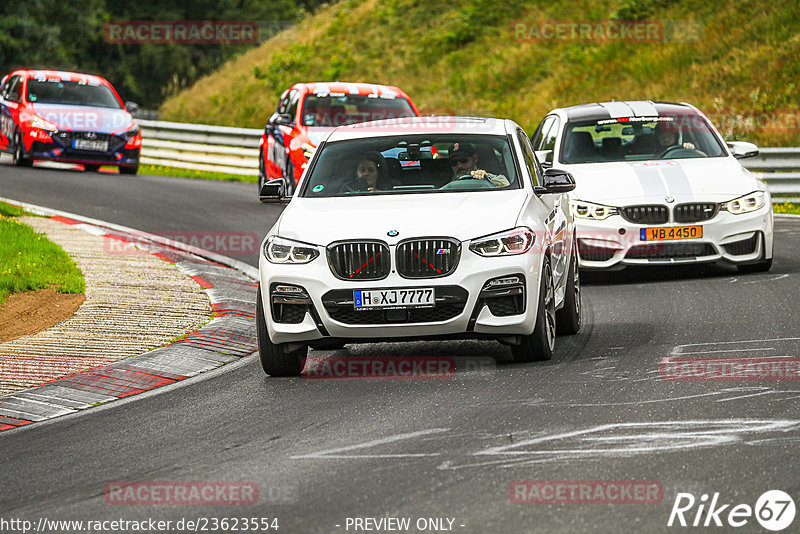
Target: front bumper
point(615, 242)
point(463, 305)
point(59, 147)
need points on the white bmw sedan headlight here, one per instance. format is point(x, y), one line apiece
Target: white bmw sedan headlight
point(595, 212)
point(744, 204)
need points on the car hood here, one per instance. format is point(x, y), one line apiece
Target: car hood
point(707, 179)
point(85, 118)
point(463, 215)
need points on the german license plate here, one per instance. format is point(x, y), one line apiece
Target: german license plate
point(418, 297)
point(670, 233)
point(89, 144)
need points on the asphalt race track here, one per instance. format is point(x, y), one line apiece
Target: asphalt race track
point(323, 451)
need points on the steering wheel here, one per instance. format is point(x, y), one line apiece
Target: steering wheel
point(670, 149)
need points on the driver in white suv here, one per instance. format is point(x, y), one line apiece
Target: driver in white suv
point(464, 162)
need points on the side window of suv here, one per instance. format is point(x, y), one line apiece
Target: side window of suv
point(529, 158)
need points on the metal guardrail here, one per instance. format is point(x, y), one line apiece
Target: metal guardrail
point(780, 169)
point(200, 147)
point(235, 151)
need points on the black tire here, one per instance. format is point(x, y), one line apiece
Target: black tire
point(761, 266)
point(538, 347)
point(128, 169)
point(91, 168)
point(275, 359)
point(19, 157)
point(568, 318)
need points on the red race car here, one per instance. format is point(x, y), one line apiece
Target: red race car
point(67, 117)
point(308, 112)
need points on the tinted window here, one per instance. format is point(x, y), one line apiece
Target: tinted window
point(333, 109)
point(411, 164)
point(291, 108)
point(71, 93)
point(543, 128)
point(639, 138)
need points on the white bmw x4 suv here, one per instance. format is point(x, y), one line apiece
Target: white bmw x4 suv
point(420, 228)
point(657, 184)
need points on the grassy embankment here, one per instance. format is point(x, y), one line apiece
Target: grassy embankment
point(29, 261)
point(738, 62)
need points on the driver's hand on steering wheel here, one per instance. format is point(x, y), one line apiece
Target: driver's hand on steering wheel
point(689, 146)
point(479, 174)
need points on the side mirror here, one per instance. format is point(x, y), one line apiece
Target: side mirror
point(555, 181)
point(741, 149)
point(272, 191)
point(283, 119)
point(133, 107)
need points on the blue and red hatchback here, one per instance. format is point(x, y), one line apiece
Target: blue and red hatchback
point(68, 117)
point(308, 112)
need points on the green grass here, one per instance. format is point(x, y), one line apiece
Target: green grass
point(29, 261)
point(736, 61)
point(787, 207)
point(161, 170)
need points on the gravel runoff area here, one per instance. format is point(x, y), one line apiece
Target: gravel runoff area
point(135, 301)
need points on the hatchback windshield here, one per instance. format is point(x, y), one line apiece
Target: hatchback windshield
point(71, 93)
point(639, 138)
point(412, 164)
point(335, 109)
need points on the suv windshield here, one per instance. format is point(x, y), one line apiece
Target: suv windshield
point(412, 164)
point(335, 109)
point(71, 93)
point(639, 138)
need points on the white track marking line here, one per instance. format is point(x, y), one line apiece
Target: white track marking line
point(333, 453)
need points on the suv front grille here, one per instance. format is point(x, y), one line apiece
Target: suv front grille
point(427, 258)
point(359, 260)
point(652, 214)
point(696, 212)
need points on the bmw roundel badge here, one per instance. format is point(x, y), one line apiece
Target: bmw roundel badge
point(392, 233)
point(669, 198)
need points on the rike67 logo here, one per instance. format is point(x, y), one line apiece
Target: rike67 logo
point(774, 510)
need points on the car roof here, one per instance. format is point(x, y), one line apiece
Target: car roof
point(423, 125)
point(350, 88)
point(63, 75)
point(625, 108)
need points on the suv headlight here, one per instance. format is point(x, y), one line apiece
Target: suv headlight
point(745, 204)
point(282, 250)
point(595, 212)
point(508, 243)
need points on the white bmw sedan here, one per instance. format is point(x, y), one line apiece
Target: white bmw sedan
point(656, 184)
point(420, 228)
